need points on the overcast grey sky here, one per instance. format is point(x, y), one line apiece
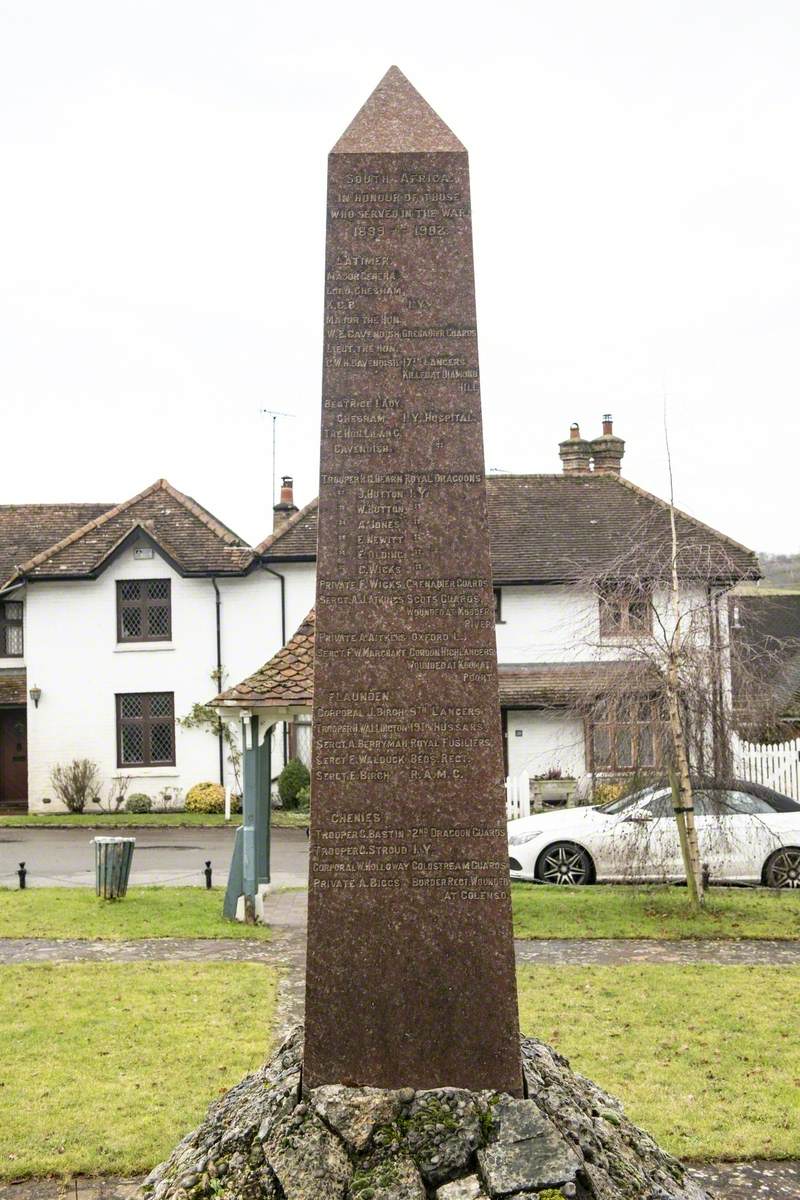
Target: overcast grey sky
point(637, 232)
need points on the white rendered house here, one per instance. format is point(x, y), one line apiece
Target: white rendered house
point(565, 637)
point(116, 620)
point(115, 630)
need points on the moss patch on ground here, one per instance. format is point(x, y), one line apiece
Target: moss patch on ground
point(104, 1067)
point(621, 911)
point(146, 912)
point(705, 1058)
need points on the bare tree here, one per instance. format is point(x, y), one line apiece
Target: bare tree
point(656, 627)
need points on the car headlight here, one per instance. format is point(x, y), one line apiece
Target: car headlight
point(519, 839)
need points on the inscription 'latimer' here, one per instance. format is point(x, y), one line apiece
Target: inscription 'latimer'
point(409, 907)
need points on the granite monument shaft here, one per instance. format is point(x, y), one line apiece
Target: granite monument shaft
point(410, 976)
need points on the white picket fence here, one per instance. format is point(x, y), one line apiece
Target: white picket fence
point(775, 766)
point(518, 796)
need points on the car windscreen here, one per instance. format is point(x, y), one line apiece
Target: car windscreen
point(619, 805)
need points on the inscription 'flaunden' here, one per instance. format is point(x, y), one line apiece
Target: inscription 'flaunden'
point(410, 977)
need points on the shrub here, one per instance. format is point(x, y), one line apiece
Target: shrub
point(77, 784)
point(304, 798)
point(609, 790)
point(138, 803)
point(206, 798)
point(291, 780)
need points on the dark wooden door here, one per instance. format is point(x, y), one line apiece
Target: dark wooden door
point(13, 757)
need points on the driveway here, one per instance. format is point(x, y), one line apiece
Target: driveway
point(65, 857)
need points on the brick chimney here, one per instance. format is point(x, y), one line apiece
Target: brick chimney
point(608, 449)
point(286, 505)
point(575, 453)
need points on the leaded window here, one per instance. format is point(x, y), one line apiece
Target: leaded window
point(11, 642)
point(627, 735)
point(146, 729)
point(625, 613)
point(144, 610)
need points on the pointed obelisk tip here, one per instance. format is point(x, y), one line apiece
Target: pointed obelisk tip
point(396, 120)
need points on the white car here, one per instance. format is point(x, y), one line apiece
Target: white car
point(747, 834)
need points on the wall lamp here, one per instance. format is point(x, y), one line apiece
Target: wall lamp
point(35, 694)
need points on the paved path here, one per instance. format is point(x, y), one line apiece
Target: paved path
point(601, 951)
point(65, 857)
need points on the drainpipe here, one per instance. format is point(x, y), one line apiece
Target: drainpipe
point(282, 580)
point(220, 738)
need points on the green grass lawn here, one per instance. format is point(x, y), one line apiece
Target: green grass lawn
point(620, 911)
point(146, 912)
point(706, 1058)
point(180, 820)
point(104, 1068)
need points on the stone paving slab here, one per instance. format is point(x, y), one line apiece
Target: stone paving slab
point(290, 919)
point(32, 950)
point(750, 1180)
point(726, 1181)
point(616, 952)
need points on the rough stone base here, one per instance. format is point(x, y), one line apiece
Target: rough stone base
point(262, 1141)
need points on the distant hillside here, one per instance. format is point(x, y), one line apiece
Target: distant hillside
point(780, 570)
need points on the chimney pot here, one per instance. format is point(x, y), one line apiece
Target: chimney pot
point(608, 449)
point(575, 453)
point(286, 505)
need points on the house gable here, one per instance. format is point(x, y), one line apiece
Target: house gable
point(190, 538)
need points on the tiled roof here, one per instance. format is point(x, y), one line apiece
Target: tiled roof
point(563, 527)
point(13, 687)
point(541, 685)
point(296, 538)
point(196, 541)
point(552, 528)
point(287, 679)
point(27, 529)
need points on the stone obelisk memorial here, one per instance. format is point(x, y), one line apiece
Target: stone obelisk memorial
point(410, 978)
point(411, 1007)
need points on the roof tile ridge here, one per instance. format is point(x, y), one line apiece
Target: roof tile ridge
point(679, 512)
point(208, 519)
point(270, 540)
point(81, 532)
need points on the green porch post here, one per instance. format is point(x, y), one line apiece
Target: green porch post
point(250, 864)
point(251, 775)
point(263, 807)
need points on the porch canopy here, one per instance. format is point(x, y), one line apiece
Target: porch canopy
point(280, 690)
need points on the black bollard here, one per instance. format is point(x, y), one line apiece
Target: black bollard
point(22, 874)
point(207, 873)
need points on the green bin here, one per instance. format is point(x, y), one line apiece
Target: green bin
point(112, 861)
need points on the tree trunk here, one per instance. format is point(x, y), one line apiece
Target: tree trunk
point(679, 772)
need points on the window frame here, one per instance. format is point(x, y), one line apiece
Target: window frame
point(618, 596)
point(143, 605)
point(631, 723)
point(145, 723)
point(498, 606)
point(7, 623)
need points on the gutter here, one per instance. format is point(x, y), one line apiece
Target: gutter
point(220, 739)
point(13, 587)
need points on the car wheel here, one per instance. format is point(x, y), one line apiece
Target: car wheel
point(564, 863)
point(783, 868)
